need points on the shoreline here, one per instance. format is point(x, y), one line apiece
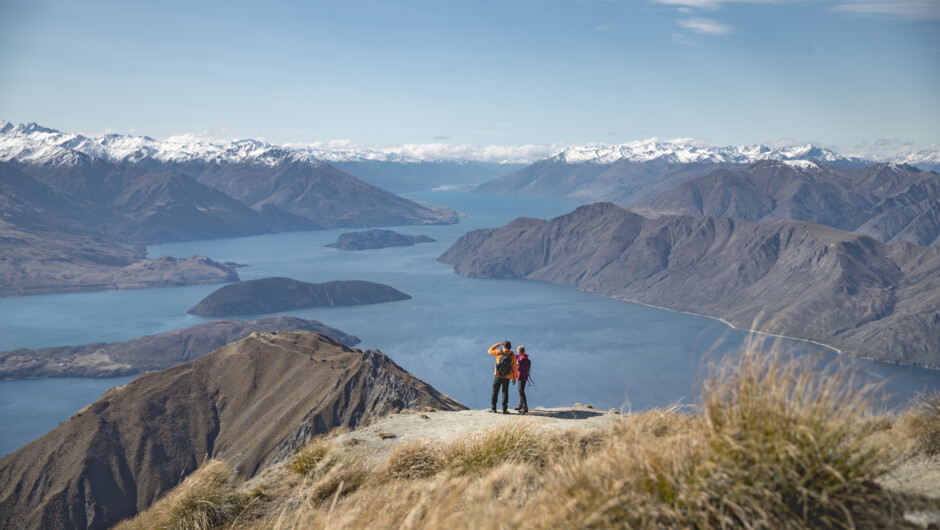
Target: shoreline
point(732, 326)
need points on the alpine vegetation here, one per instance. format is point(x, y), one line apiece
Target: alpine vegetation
point(770, 443)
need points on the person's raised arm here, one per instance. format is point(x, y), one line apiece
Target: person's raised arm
point(495, 349)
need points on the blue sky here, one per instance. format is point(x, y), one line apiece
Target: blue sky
point(850, 74)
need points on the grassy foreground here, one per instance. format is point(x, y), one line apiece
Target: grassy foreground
point(772, 444)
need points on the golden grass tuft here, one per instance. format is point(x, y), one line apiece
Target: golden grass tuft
point(205, 500)
point(418, 459)
point(309, 457)
point(922, 423)
point(517, 442)
point(793, 442)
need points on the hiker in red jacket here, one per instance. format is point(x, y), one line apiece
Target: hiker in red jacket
point(522, 360)
point(507, 369)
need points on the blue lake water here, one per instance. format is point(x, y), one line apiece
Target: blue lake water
point(584, 348)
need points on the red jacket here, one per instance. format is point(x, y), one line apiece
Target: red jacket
point(497, 351)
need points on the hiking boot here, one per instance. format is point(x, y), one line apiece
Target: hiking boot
point(505, 411)
point(493, 409)
point(524, 411)
point(518, 408)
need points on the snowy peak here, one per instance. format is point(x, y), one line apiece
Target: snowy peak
point(686, 153)
point(801, 164)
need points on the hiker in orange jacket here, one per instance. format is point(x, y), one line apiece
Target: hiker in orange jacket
point(509, 369)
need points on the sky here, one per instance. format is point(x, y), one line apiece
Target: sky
point(855, 75)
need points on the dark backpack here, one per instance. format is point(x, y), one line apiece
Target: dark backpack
point(504, 365)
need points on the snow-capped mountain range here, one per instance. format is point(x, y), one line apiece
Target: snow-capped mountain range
point(35, 144)
point(687, 153)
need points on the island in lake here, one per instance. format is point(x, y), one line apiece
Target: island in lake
point(272, 295)
point(372, 239)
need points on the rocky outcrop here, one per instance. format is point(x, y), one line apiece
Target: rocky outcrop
point(374, 239)
point(150, 353)
point(787, 277)
point(250, 403)
point(271, 295)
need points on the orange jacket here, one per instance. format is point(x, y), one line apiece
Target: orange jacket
point(496, 350)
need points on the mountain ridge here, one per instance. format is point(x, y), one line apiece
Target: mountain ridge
point(890, 202)
point(116, 456)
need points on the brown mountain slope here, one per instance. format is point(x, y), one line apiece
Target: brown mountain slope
point(150, 353)
point(43, 249)
point(329, 197)
point(889, 202)
point(622, 182)
point(250, 403)
point(805, 280)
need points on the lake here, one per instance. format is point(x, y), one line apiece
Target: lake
point(584, 348)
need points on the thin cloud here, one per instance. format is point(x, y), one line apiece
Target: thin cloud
point(908, 9)
point(714, 4)
point(705, 26)
point(912, 9)
point(605, 27)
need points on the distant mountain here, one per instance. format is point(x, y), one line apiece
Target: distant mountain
point(329, 197)
point(889, 202)
point(628, 173)
point(375, 239)
point(251, 404)
point(401, 176)
point(44, 248)
point(787, 277)
point(150, 353)
point(140, 205)
point(272, 295)
point(259, 175)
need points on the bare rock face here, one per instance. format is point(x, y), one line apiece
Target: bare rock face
point(802, 280)
point(150, 353)
point(374, 239)
point(250, 403)
point(271, 295)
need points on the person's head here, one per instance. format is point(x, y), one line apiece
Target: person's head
point(521, 350)
point(507, 345)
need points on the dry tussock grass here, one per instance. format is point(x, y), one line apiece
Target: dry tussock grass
point(921, 424)
point(310, 456)
point(513, 443)
point(205, 500)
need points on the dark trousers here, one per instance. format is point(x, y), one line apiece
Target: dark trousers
point(504, 383)
point(523, 404)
